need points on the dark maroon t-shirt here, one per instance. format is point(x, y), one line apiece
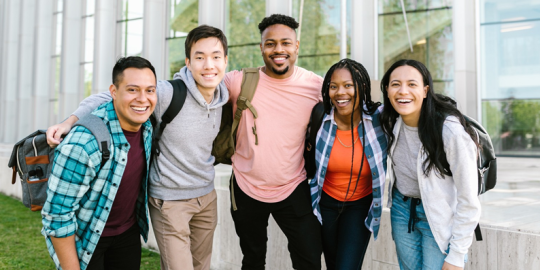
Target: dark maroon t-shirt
point(122, 215)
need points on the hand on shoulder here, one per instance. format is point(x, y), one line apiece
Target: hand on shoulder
point(54, 133)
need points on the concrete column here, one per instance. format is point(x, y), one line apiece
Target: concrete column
point(10, 68)
point(3, 13)
point(25, 108)
point(464, 32)
point(42, 63)
point(104, 44)
point(364, 40)
point(70, 59)
point(212, 12)
point(279, 7)
point(154, 34)
point(364, 35)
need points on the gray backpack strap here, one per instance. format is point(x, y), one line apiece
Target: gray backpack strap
point(100, 131)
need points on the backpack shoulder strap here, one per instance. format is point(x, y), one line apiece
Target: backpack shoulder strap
point(315, 121)
point(100, 131)
point(250, 80)
point(177, 102)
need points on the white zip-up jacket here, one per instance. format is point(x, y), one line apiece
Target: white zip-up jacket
point(451, 203)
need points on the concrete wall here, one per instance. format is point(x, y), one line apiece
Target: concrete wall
point(503, 248)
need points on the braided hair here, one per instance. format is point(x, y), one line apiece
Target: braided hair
point(362, 90)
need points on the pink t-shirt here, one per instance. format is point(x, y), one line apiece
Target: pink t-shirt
point(271, 170)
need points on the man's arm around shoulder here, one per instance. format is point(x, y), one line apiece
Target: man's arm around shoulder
point(54, 133)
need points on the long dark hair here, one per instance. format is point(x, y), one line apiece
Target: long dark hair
point(362, 90)
point(435, 108)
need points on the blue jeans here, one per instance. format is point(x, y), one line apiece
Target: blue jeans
point(345, 237)
point(417, 249)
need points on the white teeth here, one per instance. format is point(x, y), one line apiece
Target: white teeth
point(279, 59)
point(139, 109)
point(404, 100)
point(209, 75)
point(343, 101)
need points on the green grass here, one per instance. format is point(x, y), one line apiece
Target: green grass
point(23, 247)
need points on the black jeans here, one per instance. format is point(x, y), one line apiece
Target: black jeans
point(344, 235)
point(118, 252)
point(295, 218)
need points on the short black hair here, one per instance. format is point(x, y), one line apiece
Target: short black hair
point(204, 31)
point(278, 19)
point(124, 63)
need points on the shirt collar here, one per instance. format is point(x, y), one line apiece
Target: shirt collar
point(330, 117)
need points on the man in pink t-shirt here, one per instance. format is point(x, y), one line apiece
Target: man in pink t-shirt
point(269, 176)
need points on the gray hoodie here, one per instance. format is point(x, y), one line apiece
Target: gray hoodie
point(184, 169)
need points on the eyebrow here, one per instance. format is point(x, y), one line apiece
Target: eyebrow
point(134, 85)
point(271, 39)
point(199, 52)
point(407, 80)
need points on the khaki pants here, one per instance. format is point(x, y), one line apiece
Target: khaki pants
point(184, 231)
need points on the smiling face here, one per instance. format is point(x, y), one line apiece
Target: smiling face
point(406, 92)
point(207, 63)
point(341, 93)
point(135, 97)
point(279, 48)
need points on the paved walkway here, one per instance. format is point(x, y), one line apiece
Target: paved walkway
point(515, 202)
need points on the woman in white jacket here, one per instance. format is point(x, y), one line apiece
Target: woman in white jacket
point(433, 214)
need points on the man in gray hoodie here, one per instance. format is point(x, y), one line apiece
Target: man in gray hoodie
point(183, 202)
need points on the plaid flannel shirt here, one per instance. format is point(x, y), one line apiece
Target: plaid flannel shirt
point(375, 151)
point(81, 194)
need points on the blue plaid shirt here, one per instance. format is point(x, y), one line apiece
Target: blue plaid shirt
point(375, 151)
point(81, 194)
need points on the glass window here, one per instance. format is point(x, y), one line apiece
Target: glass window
point(131, 27)
point(243, 36)
point(510, 68)
point(320, 33)
point(497, 11)
point(183, 16)
point(88, 59)
point(56, 62)
point(430, 27)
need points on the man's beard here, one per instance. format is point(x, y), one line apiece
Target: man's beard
point(278, 72)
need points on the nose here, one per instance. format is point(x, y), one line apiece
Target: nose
point(142, 96)
point(209, 63)
point(403, 89)
point(278, 48)
point(341, 90)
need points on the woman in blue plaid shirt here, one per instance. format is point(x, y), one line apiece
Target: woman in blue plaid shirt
point(350, 158)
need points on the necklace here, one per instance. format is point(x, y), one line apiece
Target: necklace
point(348, 146)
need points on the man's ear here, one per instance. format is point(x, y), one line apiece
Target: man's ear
point(187, 62)
point(297, 46)
point(113, 90)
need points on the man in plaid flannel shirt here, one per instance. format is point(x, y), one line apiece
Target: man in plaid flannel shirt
point(95, 212)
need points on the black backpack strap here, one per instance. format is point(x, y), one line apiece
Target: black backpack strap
point(177, 102)
point(478, 232)
point(315, 122)
point(100, 131)
point(316, 119)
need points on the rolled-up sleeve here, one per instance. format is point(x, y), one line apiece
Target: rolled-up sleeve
point(72, 172)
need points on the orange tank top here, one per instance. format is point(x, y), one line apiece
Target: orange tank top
point(338, 170)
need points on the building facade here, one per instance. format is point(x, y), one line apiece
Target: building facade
point(483, 53)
